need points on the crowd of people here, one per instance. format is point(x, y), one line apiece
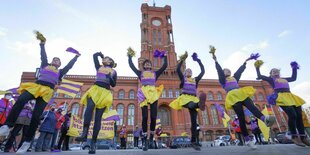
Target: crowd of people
point(29, 112)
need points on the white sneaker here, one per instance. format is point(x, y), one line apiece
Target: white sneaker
point(251, 144)
point(4, 130)
point(269, 120)
point(23, 149)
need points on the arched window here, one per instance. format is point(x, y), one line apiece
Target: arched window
point(205, 117)
point(131, 114)
point(214, 115)
point(121, 94)
point(163, 94)
point(177, 93)
point(120, 111)
point(260, 97)
point(164, 115)
point(210, 96)
point(219, 96)
point(170, 93)
point(131, 94)
point(75, 109)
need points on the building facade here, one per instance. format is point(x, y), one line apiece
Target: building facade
point(157, 33)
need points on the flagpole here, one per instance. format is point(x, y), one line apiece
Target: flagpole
point(276, 118)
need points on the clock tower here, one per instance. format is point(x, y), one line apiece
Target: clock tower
point(156, 33)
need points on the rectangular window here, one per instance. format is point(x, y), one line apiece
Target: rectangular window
point(159, 37)
point(154, 37)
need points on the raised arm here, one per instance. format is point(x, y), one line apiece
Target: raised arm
point(239, 72)
point(96, 61)
point(113, 79)
point(43, 55)
point(293, 77)
point(65, 70)
point(263, 77)
point(180, 74)
point(202, 72)
point(220, 73)
point(133, 67)
point(162, 69)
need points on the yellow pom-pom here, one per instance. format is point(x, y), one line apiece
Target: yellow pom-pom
point(131, 52)
point(115, 64)
point(184, 56)
point(40, 36)
point(258, 63)
point(212, 49)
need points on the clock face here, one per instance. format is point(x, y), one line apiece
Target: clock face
point(156, 22)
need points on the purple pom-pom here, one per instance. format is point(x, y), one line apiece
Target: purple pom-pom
point(294, 65)
point(162, 54)
point(254, 56)
point(195, 56)
point(156, 53)
point(272, 99)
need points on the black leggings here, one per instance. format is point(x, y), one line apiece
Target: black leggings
point(191, 106)
point(37, 112)
point(294, 119)
point(14, 133)
point(64, 139)
point(153, 117)
point(238, 108)
point(89, 115)
point(258, 137)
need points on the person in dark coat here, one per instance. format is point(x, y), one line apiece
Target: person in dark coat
point(64, 138)
point(47, 128)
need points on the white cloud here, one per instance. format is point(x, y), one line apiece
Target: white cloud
point(236, 59)
point(284, 33)
point(303, 90)
point(3, 32)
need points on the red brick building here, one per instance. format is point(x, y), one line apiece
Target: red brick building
point(157, 33)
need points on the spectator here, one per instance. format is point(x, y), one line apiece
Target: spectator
point(136, 135)
point(64, 138)
point(123, 136)
point(5, 107)
point(60, 120)
point(46, 129)
point(237, 128)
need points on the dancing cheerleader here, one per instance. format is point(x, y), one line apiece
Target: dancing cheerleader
point(98, 97)
point(148, 94)
point(188, 97)
point(290, 103)
point(238, 97)
point(42, 91)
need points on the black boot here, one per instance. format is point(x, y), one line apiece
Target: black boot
point(83, 137)
point(92, 149)
point(144, 144)
point(196, 146)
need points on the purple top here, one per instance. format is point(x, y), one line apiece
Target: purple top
point(189, 86)
point(103, 74)
point(231, 84)
point(280, 83)
point(254, 124)
point(4, 107)
point(49, 74)
point(27, 110)
point(148, 78)
point(137, 132)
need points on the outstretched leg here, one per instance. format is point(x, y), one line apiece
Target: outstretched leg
point(88, 115)
point(153, 122)
point(144, 128)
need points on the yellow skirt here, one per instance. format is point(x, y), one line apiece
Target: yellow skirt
point(178, 103)
point(37, 90)
point(289, 99)
point(102, 97)
point(238, 95)
point(151, 94)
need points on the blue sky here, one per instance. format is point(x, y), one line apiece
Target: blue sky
point(278, 29)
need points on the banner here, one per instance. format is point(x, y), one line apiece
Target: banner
point(70, 88)
point(76, 128)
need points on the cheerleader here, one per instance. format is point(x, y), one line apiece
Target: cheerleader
point(290, 103)
point(98, 97)
point(148, 94)
point(238, 97)
point(188, 97)
point(42, 91)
